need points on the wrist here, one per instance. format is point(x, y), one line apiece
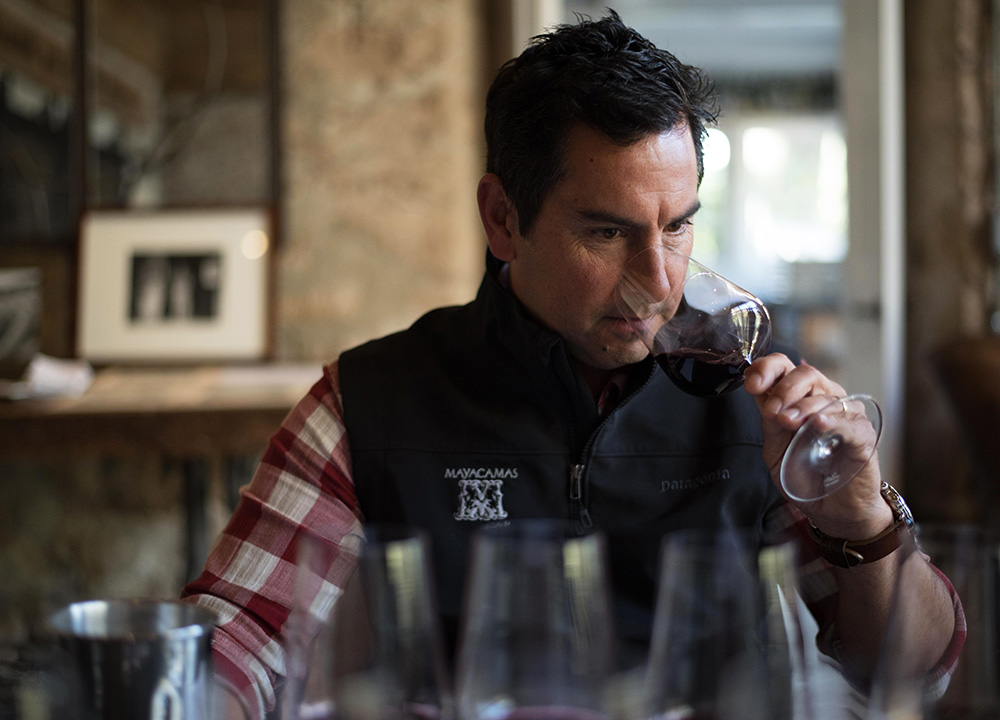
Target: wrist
point(847, 553)
point(856, 529)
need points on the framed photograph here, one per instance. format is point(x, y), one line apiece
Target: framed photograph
point(178, 285)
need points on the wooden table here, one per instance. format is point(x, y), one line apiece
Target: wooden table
point(188, 414)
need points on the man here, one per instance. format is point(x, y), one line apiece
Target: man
point(538, 400)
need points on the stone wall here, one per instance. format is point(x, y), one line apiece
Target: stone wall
point(381, 148)
point(381, 158)
point(77, 528)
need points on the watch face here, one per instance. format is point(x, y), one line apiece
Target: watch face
point(899, 507)
point(907, 515)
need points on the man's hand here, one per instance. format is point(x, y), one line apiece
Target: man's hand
point(787, 396)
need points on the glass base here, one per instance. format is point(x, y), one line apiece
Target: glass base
point(831, 448)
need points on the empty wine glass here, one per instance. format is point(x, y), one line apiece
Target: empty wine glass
point(726, 640)
point(320, 565)
point(704, 332)
point(790, 666)
point(380, 653)
point(970, 557)
point(536, 639)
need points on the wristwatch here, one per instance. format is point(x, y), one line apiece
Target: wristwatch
point(851, 553)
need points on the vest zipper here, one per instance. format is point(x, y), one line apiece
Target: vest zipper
point(576, 482)
point(576, 495)
point(576, 500)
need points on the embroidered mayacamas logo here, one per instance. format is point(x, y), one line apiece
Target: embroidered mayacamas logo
point(480, 473)
point(480, 495)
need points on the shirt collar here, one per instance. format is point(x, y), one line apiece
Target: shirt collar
point(612, 392)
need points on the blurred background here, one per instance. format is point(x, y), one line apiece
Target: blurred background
point(849, 183)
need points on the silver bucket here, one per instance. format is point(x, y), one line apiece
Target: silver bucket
point(138, 658)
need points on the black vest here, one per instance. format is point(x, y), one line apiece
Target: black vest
point(475, 414)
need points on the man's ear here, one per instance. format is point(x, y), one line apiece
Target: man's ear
point(499, 217)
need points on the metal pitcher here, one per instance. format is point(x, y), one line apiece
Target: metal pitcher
point(138, 658)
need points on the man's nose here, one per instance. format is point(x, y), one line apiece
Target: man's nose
point(649, 269)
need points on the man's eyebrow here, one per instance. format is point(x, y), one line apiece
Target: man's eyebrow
point(603, 216)
point(609, 218)
point(687, 214)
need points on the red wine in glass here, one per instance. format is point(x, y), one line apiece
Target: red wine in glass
point(705, 331)
point(704, 339)
point(702, 375)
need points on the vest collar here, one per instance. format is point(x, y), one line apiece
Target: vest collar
point(532, 342)
point(517, 330)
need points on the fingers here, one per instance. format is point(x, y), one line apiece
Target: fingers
point(788, 396)
point(766, 371)
point(791, 413)
point(852, 427)
point(789, 393)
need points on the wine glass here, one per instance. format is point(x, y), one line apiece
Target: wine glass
point(704, 331)
point(791, 668)
point(536, 639)
point(379, 655)
point(320, 563)
point(726, 638)
point(970, 557)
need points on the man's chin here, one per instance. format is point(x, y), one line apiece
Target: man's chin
point(615, 358)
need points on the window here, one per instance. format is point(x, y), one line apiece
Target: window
point(774, 220)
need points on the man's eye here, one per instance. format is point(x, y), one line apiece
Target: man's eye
point(609, 233)
point(679, 227)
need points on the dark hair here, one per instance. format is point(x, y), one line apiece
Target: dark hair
point(598, 72)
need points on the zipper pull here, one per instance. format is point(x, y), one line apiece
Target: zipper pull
point(576, 482)
point(576, 495)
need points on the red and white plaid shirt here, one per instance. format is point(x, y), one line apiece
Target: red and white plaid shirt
point(304, 488)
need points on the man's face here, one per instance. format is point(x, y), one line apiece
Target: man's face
point(611, 203)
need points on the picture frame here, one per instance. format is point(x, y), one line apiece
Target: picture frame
point(173, 285)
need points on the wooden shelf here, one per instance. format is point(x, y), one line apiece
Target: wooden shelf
point(188, 414)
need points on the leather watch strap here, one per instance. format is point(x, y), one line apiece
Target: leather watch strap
point(851, 553)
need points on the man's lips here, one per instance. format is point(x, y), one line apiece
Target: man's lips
point(632, 320)
point(626, 325)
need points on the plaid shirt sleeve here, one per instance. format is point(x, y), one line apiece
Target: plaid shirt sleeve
point(302, 489)
point(818, 586)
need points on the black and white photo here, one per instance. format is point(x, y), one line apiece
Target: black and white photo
point(167, 287)
point(177, 285)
